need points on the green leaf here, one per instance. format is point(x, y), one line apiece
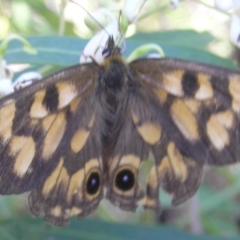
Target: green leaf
point(88, 229)
point(65, 51)
point(188, 38)
point(62, 51)
point(45, 21)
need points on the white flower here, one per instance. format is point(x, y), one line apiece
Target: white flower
point(5, 79)
point(96, 45)
point(6, 76)
point(26, 79)
point(173, 4)
point(131, 8)
point(235, 30)
point(227, 5)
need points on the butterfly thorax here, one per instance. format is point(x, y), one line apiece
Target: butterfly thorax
point(114, 73)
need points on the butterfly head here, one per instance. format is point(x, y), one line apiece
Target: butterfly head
point(111, 48)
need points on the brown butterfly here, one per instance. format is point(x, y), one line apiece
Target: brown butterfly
point(91, 126)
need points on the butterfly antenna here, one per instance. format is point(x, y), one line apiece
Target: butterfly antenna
point(91, 16)
point(139, 10)
point(121, 39)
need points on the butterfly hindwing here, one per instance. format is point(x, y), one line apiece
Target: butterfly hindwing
point(123, 165)
point(176, 173)
point(142, 134)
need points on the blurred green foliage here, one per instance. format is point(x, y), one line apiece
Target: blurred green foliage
point(91, 230)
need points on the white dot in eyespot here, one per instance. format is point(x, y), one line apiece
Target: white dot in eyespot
point(125, 178)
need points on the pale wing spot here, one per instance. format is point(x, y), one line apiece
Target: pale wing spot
point(17, 143)
point(134, 118)
point(113, 163)
point(47, 122)
point(6, 134)
point(153, 178)
point(150, 132)
point(90, 124)
point(185, 120)
point(164, 167)
point(52, 179)
point(63, 179)
point(79, 139)
point(177, 164)
point(172, 82)
point(234, 89)
point(34, 123)
point(74, 104)
point(54, 136)
point(131, 160)
point(217, 134)
point(30, 170)
point(7, 102)
point(236, 105)
point(148, 203)
point(205, 90)
point(162, 95)
point(56, 211)
point(193, 105)
point(92, 163)
point(7, 114)
point(226, 119)
point(189, 162)
point(24, 158)
point(67, 92)
point(76, 185)
point(38, 110)
point(75, 211)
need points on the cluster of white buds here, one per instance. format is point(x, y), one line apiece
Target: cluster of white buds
point(235, 30)
point(229, 6)
point(105, 22)
point(131, 9)
point(232, 6)
point(173, 4)
point(107, 25)
point(6, 74)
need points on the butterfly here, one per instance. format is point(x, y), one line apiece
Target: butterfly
point(89, 127)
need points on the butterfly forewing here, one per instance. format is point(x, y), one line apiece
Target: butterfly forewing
point(51, 142)
point(198, 106)
point(74, 187)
